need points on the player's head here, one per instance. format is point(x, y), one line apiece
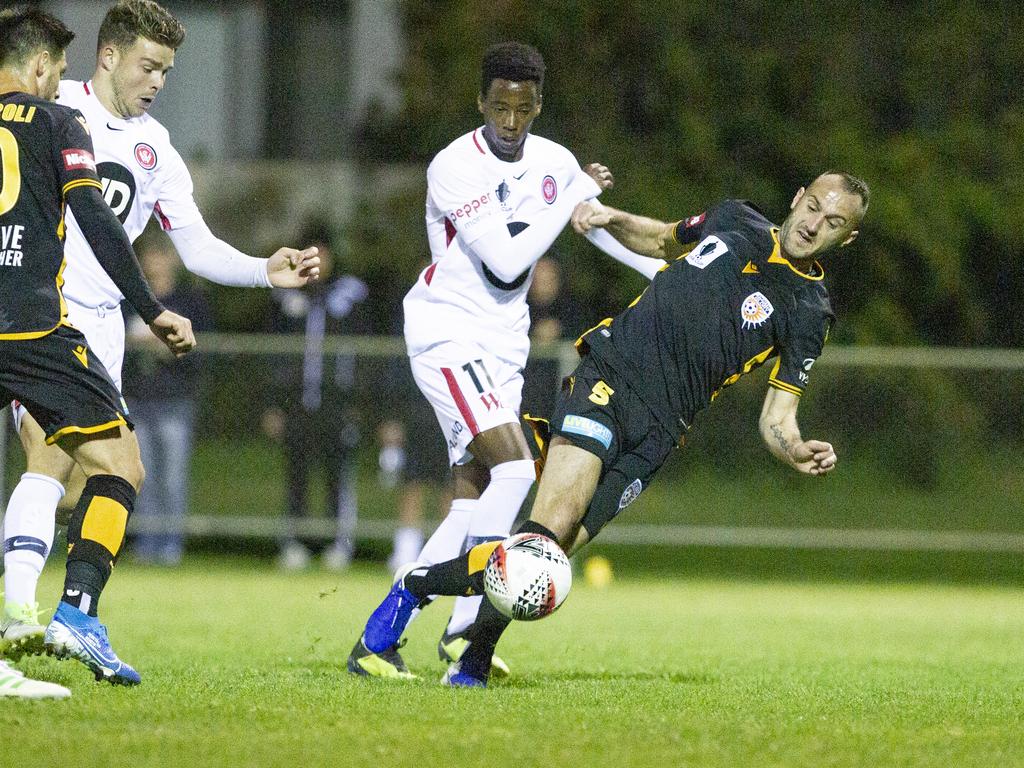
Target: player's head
point(511, 88)
point(134, 53)
point(824, 215)
point(32, 45)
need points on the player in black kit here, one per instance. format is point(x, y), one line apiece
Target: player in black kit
point(47, 163)
point(736, 291)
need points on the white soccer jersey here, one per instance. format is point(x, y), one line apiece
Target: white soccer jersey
point(469, 193)
point(141, 174)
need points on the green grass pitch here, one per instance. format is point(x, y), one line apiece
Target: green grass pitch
point(244, 666)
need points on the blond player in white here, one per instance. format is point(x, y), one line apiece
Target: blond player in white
point(497, 198)
point(142, 176)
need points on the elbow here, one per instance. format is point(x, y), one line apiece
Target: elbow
point(503, 273)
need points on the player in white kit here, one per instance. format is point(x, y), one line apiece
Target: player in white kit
point(497, 198)
point(142, 176)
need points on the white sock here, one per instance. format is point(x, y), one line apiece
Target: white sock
point(495, 512)
point(463, 613)
point(28, 535)
point(500, 502)
point(447, 541)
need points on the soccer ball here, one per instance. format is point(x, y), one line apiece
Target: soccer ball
point(527, 577)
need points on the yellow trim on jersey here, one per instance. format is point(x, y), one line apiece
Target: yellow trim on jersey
point(118, 422)
point(775, 382)
point(675, 228)
point(603, 324)
point(748, 366)
point(25, 335)
point(60, 291)
point(785, 387)
point(778, 258)
point(75, 183)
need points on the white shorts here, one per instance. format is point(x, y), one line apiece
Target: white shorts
point(470, 392)
point(103, 329)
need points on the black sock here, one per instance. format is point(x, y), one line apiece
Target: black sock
point(483, 638)
point(95, 537)
point(530, 526)
point(462, 576)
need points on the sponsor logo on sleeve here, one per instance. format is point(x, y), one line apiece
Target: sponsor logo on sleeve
point(145, 155)
point(693, 221)
point(579, 425)
point(803, 375)
point(549, 188)
point(706, 251)
point(78, 160)
point(755, 310)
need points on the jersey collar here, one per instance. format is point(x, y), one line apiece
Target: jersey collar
point(778, 258)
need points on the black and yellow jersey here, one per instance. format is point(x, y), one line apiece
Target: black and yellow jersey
point(730, 303)
point(45, 152)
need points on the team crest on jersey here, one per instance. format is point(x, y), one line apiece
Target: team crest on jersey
point(145, 155)
point(755, 310)
point(630, 494)
point(549, 188)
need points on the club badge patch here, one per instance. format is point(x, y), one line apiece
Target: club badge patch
point(549, 188)
point(630, 494)
point(755, 310)
point(146, 156)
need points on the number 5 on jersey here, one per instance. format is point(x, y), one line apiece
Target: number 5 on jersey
point(601, 393)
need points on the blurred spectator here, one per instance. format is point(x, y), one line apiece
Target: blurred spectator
point(554, 316)
point(162, 393)
point(412, 457)
point(315, 417)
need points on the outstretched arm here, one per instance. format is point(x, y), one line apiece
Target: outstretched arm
point(781, 434)
point(206, 255)
point(506, 258)
point(639, 234)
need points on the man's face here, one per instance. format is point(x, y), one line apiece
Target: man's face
point(138, 74)
point(509, 109)
point(52, 69)
point(823, 216)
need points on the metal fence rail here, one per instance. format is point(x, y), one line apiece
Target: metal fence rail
point(272, 525)
point(883, 540)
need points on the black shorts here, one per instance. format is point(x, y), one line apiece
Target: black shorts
point(603, 416)
point(60, 382)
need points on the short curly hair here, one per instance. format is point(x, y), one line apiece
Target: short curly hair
point(517, 62)
point(129, 20)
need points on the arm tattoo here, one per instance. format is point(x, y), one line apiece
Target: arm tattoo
point(780, 438)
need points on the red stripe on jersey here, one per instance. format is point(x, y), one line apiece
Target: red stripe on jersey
point(164, 221)
point(478, 144)
point(460, 401)
point(86, 86)
point(449, 232)
point(428, 273)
